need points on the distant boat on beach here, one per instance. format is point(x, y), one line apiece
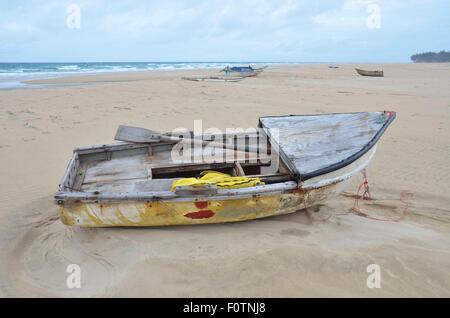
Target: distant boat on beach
point(369, 73)
point(243, 71)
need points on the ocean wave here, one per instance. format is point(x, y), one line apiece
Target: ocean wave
point(11, 71)
point(69, 68)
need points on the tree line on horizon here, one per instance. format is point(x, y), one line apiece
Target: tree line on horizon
point(431, 57)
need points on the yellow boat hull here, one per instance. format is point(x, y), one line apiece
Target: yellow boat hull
point(178, 213)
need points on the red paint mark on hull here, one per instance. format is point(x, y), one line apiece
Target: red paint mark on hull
point(200, 214)
point(201, 204)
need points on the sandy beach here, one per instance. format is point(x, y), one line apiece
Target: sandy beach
point(286, 256)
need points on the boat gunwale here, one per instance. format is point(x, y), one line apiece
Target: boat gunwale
point(222, 194)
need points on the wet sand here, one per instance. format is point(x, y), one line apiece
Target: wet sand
point(294, 255)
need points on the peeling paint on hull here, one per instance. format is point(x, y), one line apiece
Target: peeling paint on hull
point(181, 213)
point(177, 213)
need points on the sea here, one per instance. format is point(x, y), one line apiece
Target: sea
point(12, 75)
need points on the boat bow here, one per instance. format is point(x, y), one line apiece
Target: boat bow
point(314, 145)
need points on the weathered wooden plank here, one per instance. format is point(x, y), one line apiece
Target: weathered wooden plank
point(169, 195)
point(205, 190)
point(80, 175)
point(111, 186)
point(125, 168)
point(313, 142)
point(68, 180)
point(131, 185)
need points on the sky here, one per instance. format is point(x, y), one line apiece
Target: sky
point(222, 30)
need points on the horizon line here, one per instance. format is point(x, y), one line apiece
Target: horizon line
point(235, 61)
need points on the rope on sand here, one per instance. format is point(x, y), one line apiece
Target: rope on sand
point(404, 195)
point(356, 209)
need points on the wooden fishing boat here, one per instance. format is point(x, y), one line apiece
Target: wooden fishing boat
point(243, 71)
point(213, 78)
point(131, 183)
point(369, 73)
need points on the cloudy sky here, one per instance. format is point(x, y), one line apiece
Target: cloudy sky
point(222, 30)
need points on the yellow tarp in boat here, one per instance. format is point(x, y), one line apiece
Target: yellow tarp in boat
point(221, 180)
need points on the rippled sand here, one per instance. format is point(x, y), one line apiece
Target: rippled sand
point(324, 253)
